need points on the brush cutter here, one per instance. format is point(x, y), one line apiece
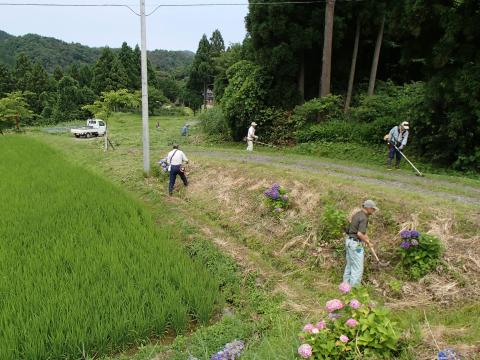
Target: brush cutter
point(265, 144)
point(403, 155)
point(262, 143)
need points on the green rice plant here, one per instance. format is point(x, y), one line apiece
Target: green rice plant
point(83, 269)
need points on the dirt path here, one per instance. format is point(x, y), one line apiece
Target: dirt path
point(443, 189)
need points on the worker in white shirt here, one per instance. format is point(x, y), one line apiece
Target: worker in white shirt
point(251, 136)
point(176, 158)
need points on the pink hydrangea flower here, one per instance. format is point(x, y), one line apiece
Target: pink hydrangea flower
point(315, 331)
point(321, 325)
point(344, 339)
point(351, 322)
point(333, 305)
point(305, 351)
point(344, 287)
point(308, 328)
point(355, 304)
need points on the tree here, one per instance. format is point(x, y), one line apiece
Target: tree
point(12, 107)
point(68, 101)
point(108, 73)
point(202, 69)
point(351, 78)
point(111, 101)
point(58, 73)
point(73, 71)
point(37, 83)
point(327, 49)
point(129, 61)
point(376, 57)
point(6, 80)
point(217, 45)
point(85, 76)
point(22, 69)
point(244, 96)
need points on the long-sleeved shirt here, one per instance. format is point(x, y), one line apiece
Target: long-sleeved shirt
point(397, 137)
point(176, 157)
point(251, 133)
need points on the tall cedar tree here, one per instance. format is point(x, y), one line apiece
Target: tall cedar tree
point(201, 73)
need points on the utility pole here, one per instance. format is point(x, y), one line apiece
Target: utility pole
point(146, 141)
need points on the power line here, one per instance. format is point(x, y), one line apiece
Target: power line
point(259, 3)
point(71, 5)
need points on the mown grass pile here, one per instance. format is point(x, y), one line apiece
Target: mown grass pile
point(83, 268)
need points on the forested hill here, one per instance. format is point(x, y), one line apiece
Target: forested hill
point(51, 52)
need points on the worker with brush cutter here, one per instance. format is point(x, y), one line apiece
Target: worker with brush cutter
point(176, 160)
point(397, 139)
point(354, 244)
point(251, 137)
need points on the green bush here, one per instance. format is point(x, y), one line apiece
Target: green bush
point(353, 329)
point(275, 126)
point(333, 223)
point(319, 109)
point(213, 122)
point(420, 254)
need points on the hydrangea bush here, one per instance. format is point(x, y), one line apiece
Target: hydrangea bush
point(231, 351)
point(353, 327)
point(420, 253)
point(277, 199)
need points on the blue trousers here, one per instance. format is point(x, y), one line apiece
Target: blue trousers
point(354, 268)
point(174, 171)
point(394, 153)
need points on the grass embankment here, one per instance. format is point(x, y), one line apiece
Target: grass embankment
point(296, 263)
point(84, 269)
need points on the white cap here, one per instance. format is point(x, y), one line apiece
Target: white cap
point(405, 125)
point(370, 204)
point(253, 124)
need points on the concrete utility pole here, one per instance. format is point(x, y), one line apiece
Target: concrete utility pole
point(146, 140)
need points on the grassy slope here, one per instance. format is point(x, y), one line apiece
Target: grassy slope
point(83, 268)
point(196, 205)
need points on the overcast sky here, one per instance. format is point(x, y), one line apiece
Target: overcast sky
point(171, 28)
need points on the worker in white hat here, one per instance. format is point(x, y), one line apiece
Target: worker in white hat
point(251, 136)
point(397, 139)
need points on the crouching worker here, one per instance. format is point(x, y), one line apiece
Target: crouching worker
point(357, 238)
point(176, 159)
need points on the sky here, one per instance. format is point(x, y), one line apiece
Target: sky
point(170, 28)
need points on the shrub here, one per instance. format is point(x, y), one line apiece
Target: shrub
point(213, 123)
point(420, 253)
point(275, 126)
point(276, 198)
point(354, 327)
point(319, 109)
point(333, 223)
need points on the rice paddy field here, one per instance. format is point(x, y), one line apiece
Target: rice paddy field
point(84, 270)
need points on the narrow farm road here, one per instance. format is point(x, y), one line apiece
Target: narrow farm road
point(400, 180)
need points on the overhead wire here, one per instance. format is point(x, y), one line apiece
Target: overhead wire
point(158, 6)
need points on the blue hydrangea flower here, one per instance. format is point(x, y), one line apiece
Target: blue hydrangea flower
point(406, 234)
point(405, 244)
point(414, 234)
point(448, 354)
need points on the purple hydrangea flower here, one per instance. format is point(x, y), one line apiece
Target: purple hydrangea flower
point(285, 197)
point(275, 194)
point(414, 234)
point(406, 234)
point(276, 186)
point(414, 242)
point(405, 244)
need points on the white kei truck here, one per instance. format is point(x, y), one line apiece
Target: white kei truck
point(95, 127)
